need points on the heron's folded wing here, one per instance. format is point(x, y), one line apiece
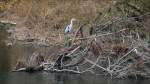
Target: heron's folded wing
point(67, 29)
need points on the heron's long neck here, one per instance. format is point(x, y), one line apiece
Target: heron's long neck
point(135, 50)
point(71, 23)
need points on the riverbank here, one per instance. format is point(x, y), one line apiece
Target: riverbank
point(115, 42)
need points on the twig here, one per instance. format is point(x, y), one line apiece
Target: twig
point(94, 36)
point(64, 70)
point(95, 64)
point(73, 51)
point(92, 65)
point(116, 63)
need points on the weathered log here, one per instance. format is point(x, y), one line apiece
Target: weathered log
point(19, 65)
point(30, 69)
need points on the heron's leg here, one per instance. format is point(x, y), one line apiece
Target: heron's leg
point(67, 41)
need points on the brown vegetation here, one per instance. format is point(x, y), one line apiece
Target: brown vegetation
point(95, 48)
point(119, 49)
point(119, 27)
point(47, 19)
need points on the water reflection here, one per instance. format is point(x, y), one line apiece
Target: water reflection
point(61, 78)
point(4, 60)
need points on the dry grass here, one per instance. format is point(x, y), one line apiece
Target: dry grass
point(47, 18)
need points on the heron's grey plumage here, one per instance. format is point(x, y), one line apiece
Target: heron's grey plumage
point(69, 27)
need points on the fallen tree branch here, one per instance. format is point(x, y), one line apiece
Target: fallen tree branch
point(96, 36)
point(95, 64)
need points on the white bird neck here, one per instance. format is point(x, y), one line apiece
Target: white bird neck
point(135, 50)
point(71, 22)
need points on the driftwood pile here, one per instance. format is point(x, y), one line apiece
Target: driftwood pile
point(115, 46)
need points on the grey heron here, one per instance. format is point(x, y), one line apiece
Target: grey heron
point(69, 27)
point(67, 33)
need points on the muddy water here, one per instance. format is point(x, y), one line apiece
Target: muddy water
point(3, 52)
point(10, 54)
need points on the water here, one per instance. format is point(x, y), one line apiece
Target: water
point(61, 78)
point(9, 56)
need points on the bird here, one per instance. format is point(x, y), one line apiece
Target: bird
point(136, 51)
point(69, 27)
